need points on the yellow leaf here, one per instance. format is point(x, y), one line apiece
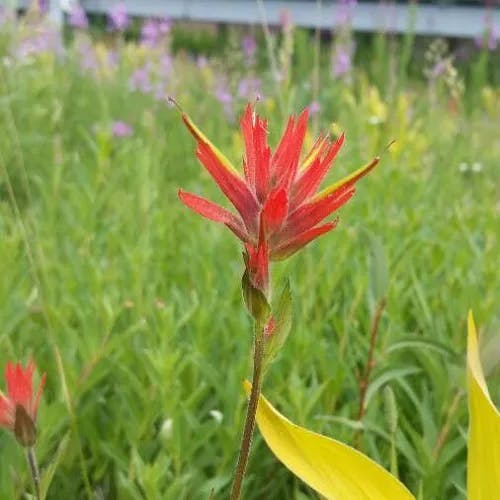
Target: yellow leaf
point(333, 469)
point(483, 461)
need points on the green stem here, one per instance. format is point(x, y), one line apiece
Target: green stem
point(246, 439)
point(35, 474)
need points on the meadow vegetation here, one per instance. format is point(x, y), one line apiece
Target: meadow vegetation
point(133, 307)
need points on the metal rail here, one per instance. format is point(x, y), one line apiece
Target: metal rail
point(448, 20)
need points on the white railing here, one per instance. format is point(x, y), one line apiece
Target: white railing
point(444, 20)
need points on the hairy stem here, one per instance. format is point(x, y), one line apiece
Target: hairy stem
point(35, 474)
point(246, 439)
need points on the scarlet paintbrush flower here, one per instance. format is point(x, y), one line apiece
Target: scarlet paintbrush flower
point(18, 408)
point(279, 208)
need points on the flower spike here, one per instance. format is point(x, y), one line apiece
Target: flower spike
point(19, 407)
point(274, 195)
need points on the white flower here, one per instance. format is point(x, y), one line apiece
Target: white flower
point(217, 416)
point(374, 120)
point(477, 167)
point(167, 429)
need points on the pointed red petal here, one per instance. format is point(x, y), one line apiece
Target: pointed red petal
point(311, 178)
point(310, 214)
point(286, 168)
point(257, 153)
point(214, 212)
point(246, 125)
point(232, 186)
point(275, 210)
point(19, 383)
point(262, 159)
point(226, 176)
point(289, 248)
point(285, 140)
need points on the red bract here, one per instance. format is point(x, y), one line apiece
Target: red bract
point(279, 208)
point(18, 408)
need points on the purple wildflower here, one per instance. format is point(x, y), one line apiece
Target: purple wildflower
point(224, 96)
point(488, 41)
point(88, 58)
point(314, 107)
point(43, 5)
point(43, 39)
point(438, 69)
point(342, 61)
point(117, 17)
point(249, 46)
point(77, 17)
point(153, 31)
point(493, 41)
point(160, 92)
point(165, 65)
point(285, 17)
point(113, 59)
point(201, 62)
point(150, 33)
point(164, 26)
point(140, 80)
point(249, 88)
point(490, 36)
point(121, 129)
point(345, 12)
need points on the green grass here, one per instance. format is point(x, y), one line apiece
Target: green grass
point(139, 299)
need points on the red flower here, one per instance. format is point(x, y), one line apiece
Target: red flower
point(18, 408)
point(279, 208)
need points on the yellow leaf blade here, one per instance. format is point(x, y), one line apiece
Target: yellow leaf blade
point(333, 469)
point(483, 460)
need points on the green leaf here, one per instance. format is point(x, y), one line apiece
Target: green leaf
point(391, 410)
point(386, 376)
point(48, 474)
point(379, 268)
point(282, 318)
point(413, 342)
